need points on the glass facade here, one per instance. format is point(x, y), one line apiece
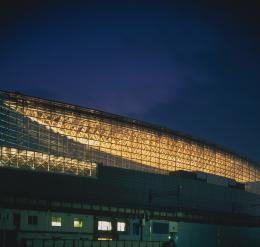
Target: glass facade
point(48, 135)
point(25, 143)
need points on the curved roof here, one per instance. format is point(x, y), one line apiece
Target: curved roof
point(113, 145)
point(143, 124)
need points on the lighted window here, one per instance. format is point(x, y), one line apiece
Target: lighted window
point(55, 221)
point(121, 226)
point(104, 225)
point(77, 223)
point(104, 238)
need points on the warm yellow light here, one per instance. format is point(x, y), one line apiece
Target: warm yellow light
point(41, 161)
point(104, 238)
point(130, 146)
point(77, 223)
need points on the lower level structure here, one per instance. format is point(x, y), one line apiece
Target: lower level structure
point(125, 208)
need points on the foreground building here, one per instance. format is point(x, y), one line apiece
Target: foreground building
point(71, 176)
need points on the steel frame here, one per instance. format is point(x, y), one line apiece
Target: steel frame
point(44, 134)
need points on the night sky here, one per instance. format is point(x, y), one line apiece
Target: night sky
point(189, 67)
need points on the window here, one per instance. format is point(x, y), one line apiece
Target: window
point(104, 238)
point(55, 221)
point(77, 223)
point(32, 220)
point(161, 228)
point(136, 228)
point(104, 225)
point(16, 219)
point(121, 226)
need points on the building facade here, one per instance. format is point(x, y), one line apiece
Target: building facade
point(72, 176)
point(47, 135)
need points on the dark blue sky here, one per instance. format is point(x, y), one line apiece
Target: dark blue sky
point(189, 67)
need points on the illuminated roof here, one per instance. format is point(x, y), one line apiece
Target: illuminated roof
point(94, 136)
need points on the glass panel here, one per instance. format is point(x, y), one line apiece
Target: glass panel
point(121, 226)
point(55, 221)
point(104, 225)
point(47, 135)
point(77, 223)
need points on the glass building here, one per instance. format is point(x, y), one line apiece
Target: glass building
point(52, 136)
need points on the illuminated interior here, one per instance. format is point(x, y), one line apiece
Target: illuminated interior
point(104, 238)
point(40, 133)
point(104, 225)
point(77, 223)
point(121, 226)
point(41, 161)
point(56, 221)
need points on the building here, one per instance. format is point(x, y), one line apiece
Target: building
point(72, 176)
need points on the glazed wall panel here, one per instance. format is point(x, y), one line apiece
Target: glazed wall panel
point(32, 130)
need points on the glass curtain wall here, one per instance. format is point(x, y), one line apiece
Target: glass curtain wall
point(59, 137)
point(25, 143)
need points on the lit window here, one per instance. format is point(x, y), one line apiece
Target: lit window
point(77, 223)
point(121, 226)
point(104, 225)
point(104, 238)
point(55, 221)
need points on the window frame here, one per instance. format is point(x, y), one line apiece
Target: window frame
point(32, 220)
point(56, 217)
point(80, 222)
point(119, 225)
point(99, 225)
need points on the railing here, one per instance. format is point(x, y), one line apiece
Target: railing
point(88, 243)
